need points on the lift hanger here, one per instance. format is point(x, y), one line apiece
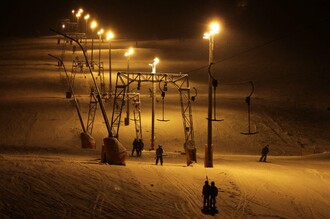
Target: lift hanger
point(163, 102)
point(214, 84)
point(248, 102)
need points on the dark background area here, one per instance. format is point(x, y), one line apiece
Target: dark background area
point(159, 19)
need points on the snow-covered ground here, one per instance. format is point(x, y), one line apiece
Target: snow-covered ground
point(47, 184)
point(46, 173)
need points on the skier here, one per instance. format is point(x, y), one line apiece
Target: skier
point(159, 154)
point(214, 194)
point(264, 153)
point(206, 195)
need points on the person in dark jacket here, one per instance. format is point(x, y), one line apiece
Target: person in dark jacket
point(214, 194)
point(140, 147)
point(159, 154)
point(135, 147)
point(264, 153)
point(206, 195)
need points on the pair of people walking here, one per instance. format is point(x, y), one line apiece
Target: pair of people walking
point(210, 192)
point(138, 147)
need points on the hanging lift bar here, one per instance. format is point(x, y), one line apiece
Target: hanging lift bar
point(60, 61)
point(163, 102)
point(248, 102)
point(214, 84)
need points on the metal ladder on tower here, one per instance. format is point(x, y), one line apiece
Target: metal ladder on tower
point(137, 114)
point(91, 112)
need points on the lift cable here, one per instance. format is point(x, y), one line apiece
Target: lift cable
point(281, 37)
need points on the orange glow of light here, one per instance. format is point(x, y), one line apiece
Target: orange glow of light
point(93, 24)
point(110, 35)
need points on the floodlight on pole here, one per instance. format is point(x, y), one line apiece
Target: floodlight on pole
point(128, 55)
point(214, 29)
point(93, 26)
point(153, 103)
point(110, 36)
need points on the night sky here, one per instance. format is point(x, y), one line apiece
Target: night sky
point(160, 19)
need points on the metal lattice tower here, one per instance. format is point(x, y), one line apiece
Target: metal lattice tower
point(91, 112)
point(180, 81)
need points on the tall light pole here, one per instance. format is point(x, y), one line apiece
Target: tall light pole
point(78, 16)
point(100, 32)
point(153, 101)
point(128, 55)
point(93, 26)
point(110, 36)
point(86, 19)
point(214, 29)
point(73, 15)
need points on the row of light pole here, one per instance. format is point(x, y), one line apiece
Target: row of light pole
point(93, 26)
point(127, 54)
point(213, 30)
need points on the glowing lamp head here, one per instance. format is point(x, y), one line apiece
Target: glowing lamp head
point(80, 10)
point(214, 28)
point(110, 35)
point(129, 52)
point(93, 25)
point(86, 17)
point(156, 61)
point(206, 36)
point(63, 26)
point(72, 11)
point(100, 32)
point(78, 15)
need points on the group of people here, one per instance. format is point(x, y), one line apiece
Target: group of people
point(210, 192)
point(138, 146)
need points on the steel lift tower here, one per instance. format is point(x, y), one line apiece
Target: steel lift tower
point(180, 81)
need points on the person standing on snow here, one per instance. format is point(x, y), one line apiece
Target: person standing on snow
point(135, 147)
point(214, 194)
point(264, 153)
point(140, 146)
point(206, 195)
point(159, 154)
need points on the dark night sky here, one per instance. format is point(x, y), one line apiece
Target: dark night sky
point(163, 18)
